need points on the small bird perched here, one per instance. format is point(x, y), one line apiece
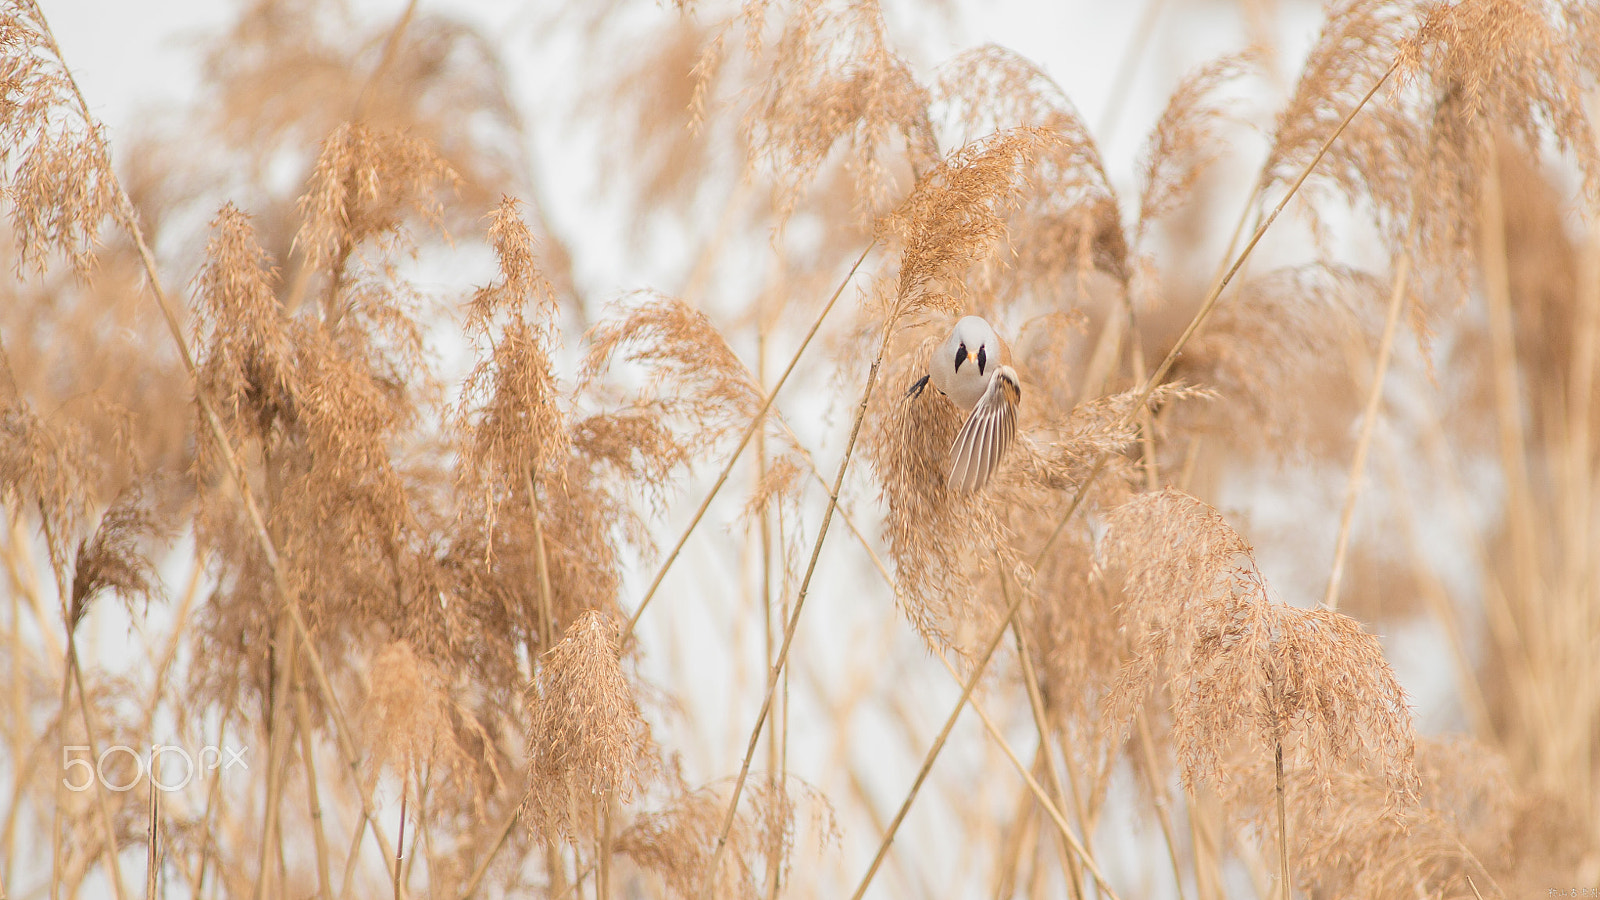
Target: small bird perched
point(970, 369)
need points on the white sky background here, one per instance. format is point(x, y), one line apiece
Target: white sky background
point(133, 57)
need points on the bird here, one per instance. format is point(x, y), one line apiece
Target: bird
point(970, 368)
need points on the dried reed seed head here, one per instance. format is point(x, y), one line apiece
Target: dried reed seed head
point(955, 217)
point(522, 283)
point(1418, 153)
point(31, 78)
point(328, 399)
point(1185, 140)
point(1244, 671)
point(53, 164)
point(706, 382)
point(116, 558)
point(1352, 839)
point(779, 482)
point(509, 419)
point(1165, 554)
point(445, 85)
point(488, 607)
point(94, 351)
point(366, 184)
point(588, 522)
point(409, 719)
point(992, 88)
point(514, 429)
point(509, 422)
point(831, 80)
point(1072, 632)
point(1286, 335)
point(1073, 625)
point(347, 543)
point(1353, 51)
point(289, 72)
point(1311, 679)
point(493, 566)
point(1490, 72)
point(1067, 221)
point(587, 742)
point(1051, 349)
point(60, 193)
point(355, 401)
point(635, 443)
point(659, 101)
point(244, 341)
point(1105, 425)
point(49, 465)
point(1377, 166)
point(1509, 64)
point(676, 843)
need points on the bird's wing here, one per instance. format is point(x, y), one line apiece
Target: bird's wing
point(987, 433)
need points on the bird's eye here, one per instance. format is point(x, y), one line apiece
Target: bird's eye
point(982, 360)
point(961, 356)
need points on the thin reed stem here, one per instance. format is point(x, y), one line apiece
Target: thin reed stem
point(1041, 722)
point(1203, 849)
point(1158, 791)
point(727, 469)
point(421, 836)
point(1044, 797)
point(277, 751)
point(400, 839)
point(1509, 408)
point(1369, 419)
point(575, 887)
point(385, 59)
point(482, 868)
point(1158, 795)
point(547, 618)
point(350, 858)
point(303, 272)
point(213, 804)
point(152, 855)
point(938, 745)
point(90, 731)
point(777, 736)
point(60, 788)
point(1283, 822)
point(302, 713)
point(774, 676)
point(74, 675)
point(602, 849)
point(18, 732)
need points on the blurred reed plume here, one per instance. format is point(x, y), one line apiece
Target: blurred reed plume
point(513, 545)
